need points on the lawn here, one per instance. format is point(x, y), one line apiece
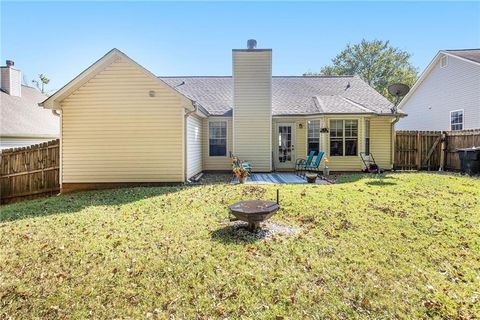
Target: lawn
point(395, 246)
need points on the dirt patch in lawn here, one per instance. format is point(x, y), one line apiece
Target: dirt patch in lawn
point(238, 233)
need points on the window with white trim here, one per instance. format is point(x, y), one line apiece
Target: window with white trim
point(313, 136)
point(367, 136)
point(343, 137)
point(456, 120)
point(217, 138)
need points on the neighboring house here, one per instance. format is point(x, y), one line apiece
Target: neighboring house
point(23, 123)
point(447, 94)
point(122, 124)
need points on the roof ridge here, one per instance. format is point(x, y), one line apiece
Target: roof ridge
point(194, 76)
point(361, 106)
point(318, 104)
point(319, 76)
point(471, 49)
point(300, 77)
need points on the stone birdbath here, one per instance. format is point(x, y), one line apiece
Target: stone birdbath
point(254, 211)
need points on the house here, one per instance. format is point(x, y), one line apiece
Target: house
point(22, 122)
point(122, 124)
point(447, 94)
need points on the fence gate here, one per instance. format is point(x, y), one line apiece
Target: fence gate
point(432, 150)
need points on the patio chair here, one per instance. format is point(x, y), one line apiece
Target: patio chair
point(315, 167)
point(302, 163)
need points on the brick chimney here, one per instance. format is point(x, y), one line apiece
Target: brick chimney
point(11, 79)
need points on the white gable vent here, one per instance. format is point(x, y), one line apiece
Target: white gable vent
point(444, 61)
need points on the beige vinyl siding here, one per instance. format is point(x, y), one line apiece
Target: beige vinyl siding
point(113, 131)
point(344, 163)
point(381, 141)
point(252, 118)
point(380, 144)
point(217, 163)
point(194, 146)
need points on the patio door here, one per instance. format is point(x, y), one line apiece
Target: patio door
point(285, 149)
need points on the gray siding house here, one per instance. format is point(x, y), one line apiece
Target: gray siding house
point(447, 94)
point(22, 122)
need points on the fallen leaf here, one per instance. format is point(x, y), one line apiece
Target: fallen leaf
point(365, 302)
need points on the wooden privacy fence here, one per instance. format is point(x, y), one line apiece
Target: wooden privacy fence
point(29, 171)
point(432, 150)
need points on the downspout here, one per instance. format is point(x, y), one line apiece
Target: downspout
point(185, 135)
point(397, 118)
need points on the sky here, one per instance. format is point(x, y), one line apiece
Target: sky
point(61, 39)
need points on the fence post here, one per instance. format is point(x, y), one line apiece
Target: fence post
point(443, 148)
point(419, 152)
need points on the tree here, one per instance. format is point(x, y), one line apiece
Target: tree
point(41, 82)
point(376, 62)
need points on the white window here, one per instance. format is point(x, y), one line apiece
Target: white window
point(313, 136)
point(367, 136)
point(217, 138)
point(343, 137)
point(456, 120)
point(444, 61)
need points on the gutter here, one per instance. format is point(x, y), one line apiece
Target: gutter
point(397, 115)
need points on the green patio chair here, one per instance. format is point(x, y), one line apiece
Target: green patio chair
point(302, 163)
point(315, 167)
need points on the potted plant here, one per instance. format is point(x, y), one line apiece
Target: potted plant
point(239, 170)
point(326, 170)
point(311, 177)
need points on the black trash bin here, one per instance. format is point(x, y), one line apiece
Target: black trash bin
point(469, 160)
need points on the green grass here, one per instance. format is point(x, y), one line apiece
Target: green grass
point(396, 246)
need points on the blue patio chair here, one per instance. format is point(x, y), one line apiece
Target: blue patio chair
point(302, 163)
point(247, 166)
point(315, 167)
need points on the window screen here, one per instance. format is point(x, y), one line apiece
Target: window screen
point(313, 136)
point(456, 120)
point(217, 137)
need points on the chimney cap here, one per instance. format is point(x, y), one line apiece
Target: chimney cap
point(251, 44)
point(10, 63)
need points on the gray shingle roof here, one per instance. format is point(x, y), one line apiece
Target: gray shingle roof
point(470, 54)
point(294, 95)
point(22, 117)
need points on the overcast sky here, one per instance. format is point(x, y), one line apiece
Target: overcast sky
point(61, 39)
